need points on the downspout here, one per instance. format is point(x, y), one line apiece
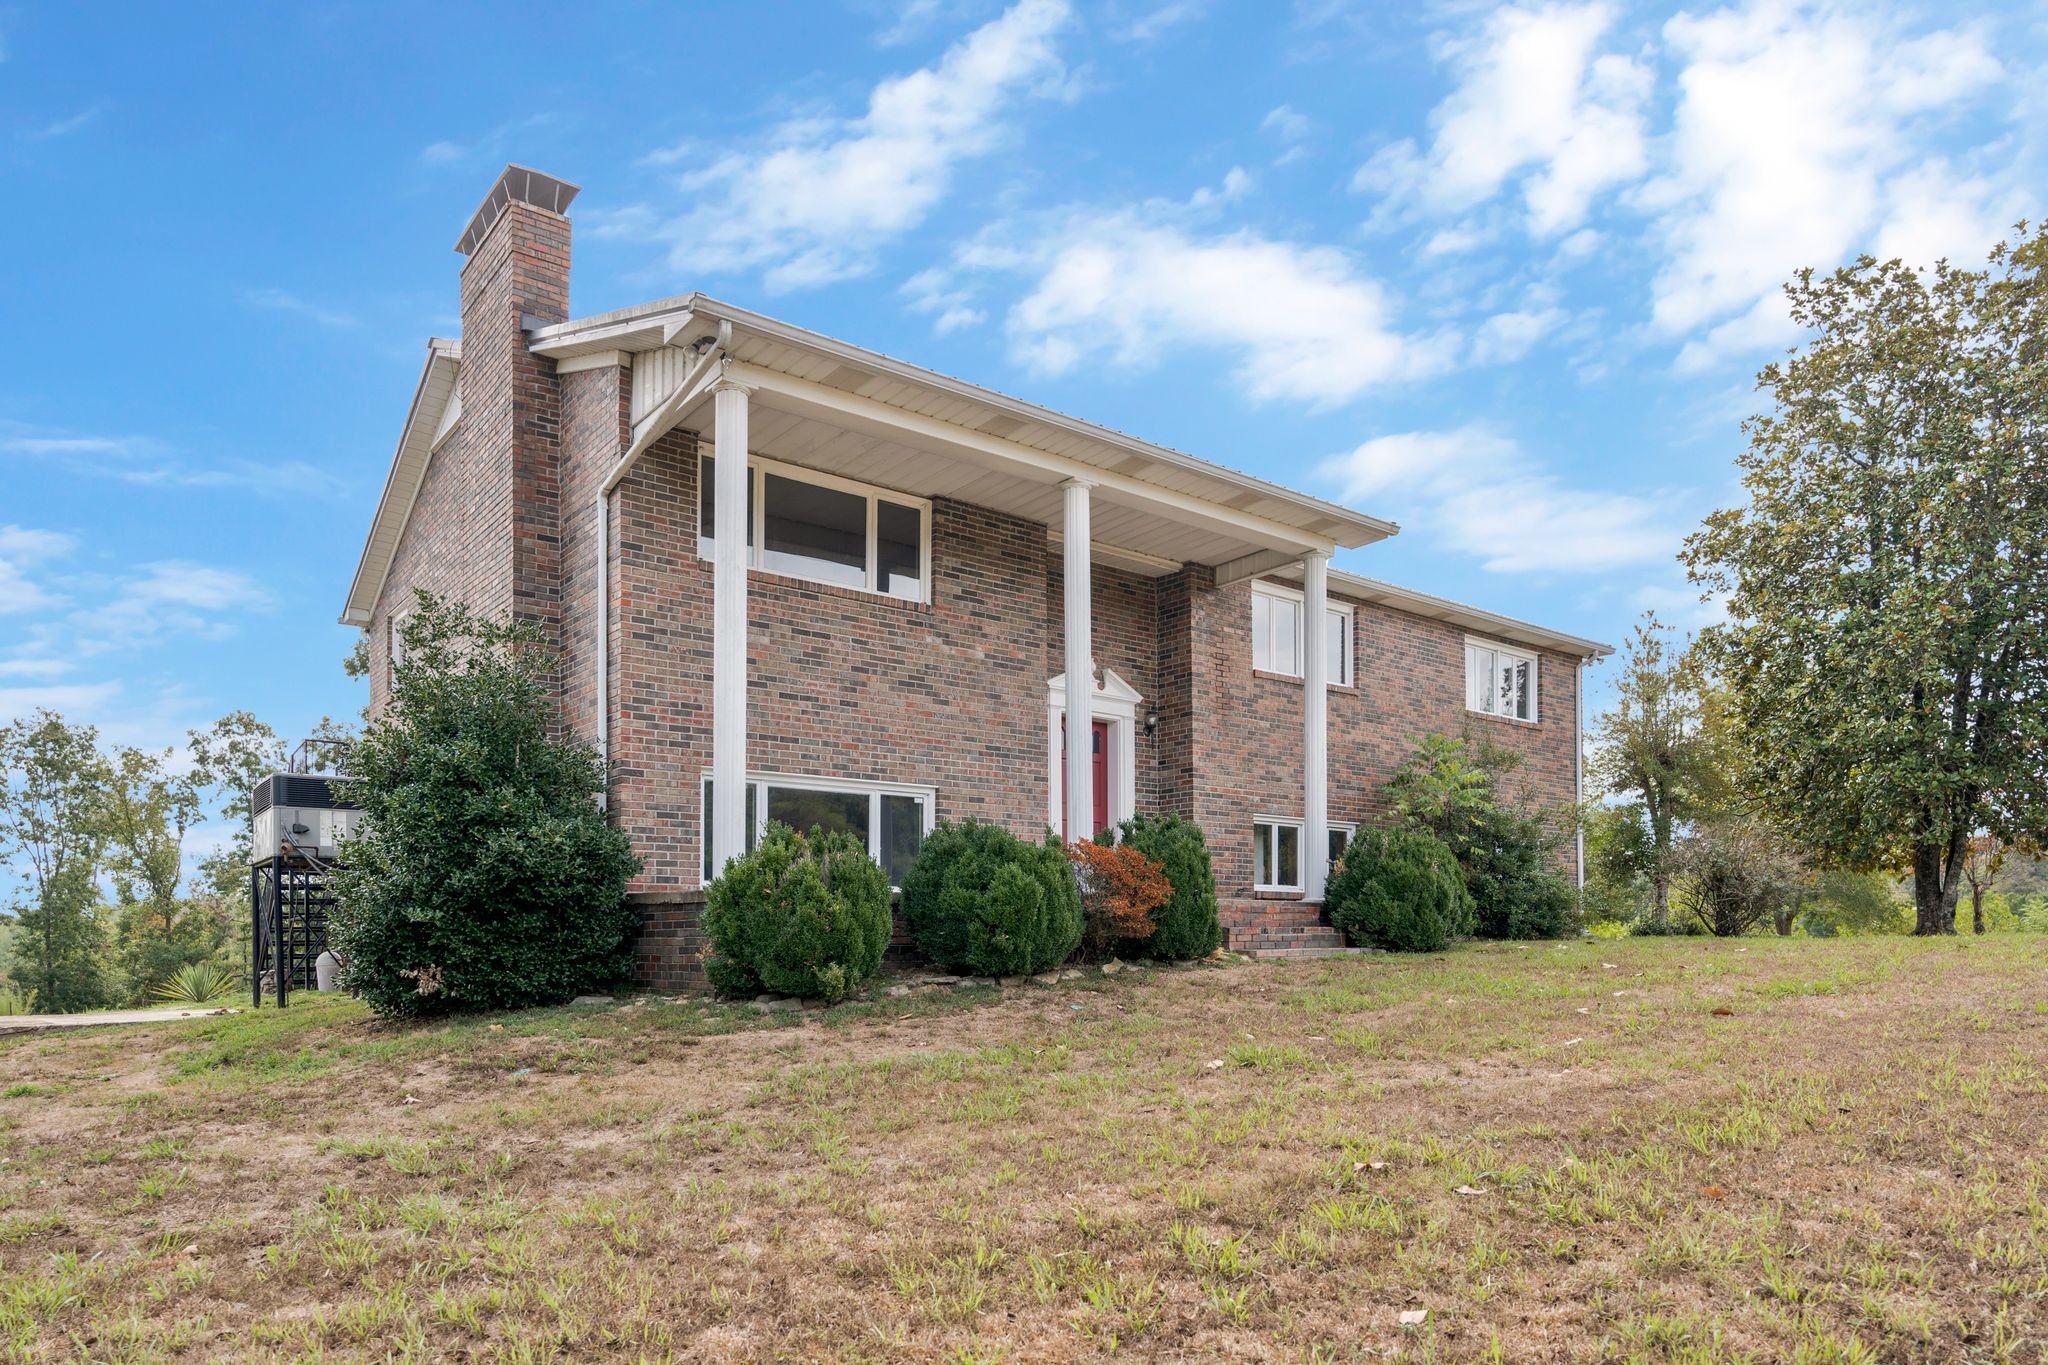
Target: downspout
point(1579, 776)
point(604, 644)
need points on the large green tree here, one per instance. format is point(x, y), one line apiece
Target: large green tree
point(483, 876)
point(1651, 750)
point(1887, 643)
point(53, 784)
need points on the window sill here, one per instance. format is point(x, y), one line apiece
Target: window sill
point(1295, 678)
point(1504, 720)
point(1278, 893)
point(824, 589)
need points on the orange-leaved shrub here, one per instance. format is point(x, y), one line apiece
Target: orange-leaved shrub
point(1121, 890)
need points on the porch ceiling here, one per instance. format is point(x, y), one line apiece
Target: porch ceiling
point(826, 404)
point(780, 427)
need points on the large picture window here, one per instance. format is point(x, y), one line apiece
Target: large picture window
point(825, 529)
point(1276, 633)
point(1277, 851)
point(1499, 680)
point(890, 819)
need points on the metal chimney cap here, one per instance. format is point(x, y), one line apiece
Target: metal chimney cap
point(524, 185)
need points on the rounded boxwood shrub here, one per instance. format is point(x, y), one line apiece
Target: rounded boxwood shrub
point(1186, 927)
point(804, 915)
point(979, 899)
point(1399, 889)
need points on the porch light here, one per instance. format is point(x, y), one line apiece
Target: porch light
point(1151, 723)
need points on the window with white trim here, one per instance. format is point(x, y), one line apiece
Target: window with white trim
point(891, 818)
point(394, 651)
point(1276, 851)
point(826, 529)
point(1500, 680)
point(1276, 633)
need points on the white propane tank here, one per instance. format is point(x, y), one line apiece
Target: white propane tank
point(325, 967)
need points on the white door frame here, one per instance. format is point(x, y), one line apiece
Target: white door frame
point(1115, 701)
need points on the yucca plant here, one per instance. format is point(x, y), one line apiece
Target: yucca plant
point(197, 983)
point(15, 1000)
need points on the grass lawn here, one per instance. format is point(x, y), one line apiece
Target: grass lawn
point(1649, 1150)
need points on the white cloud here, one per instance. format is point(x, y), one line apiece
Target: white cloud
point(35, 668)
point(280, 301)
point(1288, 124)
point(1475, 490)
point(1681, 605)
point(166, 598)
point(147, 462)
point(449, 152)
point(935, 292)
point(1170, 15)
point(1507, 337)
point(815, 203)
point(1536, 104)
point(23, 549)
point(64, 127)
point(1305, 323)
point(73, 701)
point(1797, 140)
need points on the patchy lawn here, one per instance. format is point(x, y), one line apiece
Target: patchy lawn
point(1658, 1151)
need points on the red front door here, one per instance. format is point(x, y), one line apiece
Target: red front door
point(1099, 770)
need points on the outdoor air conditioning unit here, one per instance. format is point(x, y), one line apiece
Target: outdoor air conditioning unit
point(300, 815)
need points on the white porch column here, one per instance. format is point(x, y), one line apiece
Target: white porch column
point(1080, 664)
point(729, 628)
point(1315, 725)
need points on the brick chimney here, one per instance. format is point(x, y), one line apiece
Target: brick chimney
point(516, 277)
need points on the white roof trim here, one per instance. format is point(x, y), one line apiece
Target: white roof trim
point(1469, 618)
point(427, 423)
point(649, 326)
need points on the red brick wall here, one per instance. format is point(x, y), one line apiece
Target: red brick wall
point(950, 694)
point(486, 526)
point(1411, 673)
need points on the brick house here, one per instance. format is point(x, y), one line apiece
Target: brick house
point(888, 642)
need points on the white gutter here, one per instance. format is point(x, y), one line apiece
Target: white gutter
point(604, 644)
point(1579, 778)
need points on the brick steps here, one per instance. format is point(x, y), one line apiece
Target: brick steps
point(1284, 929)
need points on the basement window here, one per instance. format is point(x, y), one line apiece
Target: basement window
point(1276, 851)
point(891, 819)
point(1276, 633)
point(825, 529)
point(1500, 680)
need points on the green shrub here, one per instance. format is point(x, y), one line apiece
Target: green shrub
point(1451, 788)
point(483, 875)
point(1515, 895)
point(1186, 927)
point(800, 915)
point(981, 900)
point(1399, 889)
point(197, 983)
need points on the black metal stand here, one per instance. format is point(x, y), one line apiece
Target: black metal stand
point(288, 905)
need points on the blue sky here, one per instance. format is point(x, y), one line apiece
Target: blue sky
point(1501, 274)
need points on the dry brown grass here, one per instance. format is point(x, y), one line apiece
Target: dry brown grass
point(1684, 1151)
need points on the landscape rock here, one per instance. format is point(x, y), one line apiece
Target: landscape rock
point(591, 1000)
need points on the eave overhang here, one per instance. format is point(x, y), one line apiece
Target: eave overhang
point(1477, 620)
point(436, 404)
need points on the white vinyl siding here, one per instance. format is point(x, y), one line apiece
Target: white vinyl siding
point(1276, 634)
point(827, 530)
point(1500, 680)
